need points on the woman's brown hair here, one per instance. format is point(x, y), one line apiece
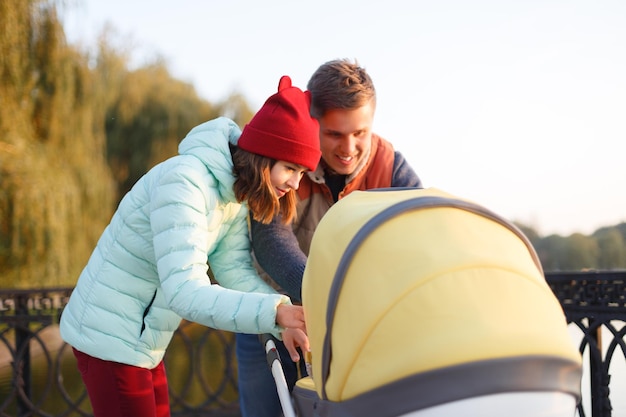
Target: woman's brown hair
point(252, 184)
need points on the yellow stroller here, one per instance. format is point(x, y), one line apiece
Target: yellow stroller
point(420, 303)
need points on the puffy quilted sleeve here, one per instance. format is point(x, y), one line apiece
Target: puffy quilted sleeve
point(185, 230)
point(231, 261)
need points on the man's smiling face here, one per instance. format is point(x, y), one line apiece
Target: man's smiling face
point(346, 137)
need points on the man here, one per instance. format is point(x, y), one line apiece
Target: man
point(353, 158)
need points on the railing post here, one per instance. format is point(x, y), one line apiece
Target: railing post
point(22, 366)
point(595, 372)
point(594, 300)
point(599, 379)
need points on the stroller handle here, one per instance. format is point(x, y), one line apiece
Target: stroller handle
point(275, 364)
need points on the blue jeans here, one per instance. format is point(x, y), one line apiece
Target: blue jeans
point(257, 389)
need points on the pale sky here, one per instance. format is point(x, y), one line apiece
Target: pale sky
point(518, 105)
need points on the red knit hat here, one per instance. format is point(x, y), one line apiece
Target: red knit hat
point(283, 129)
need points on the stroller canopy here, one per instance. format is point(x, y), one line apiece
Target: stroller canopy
point(419, 292)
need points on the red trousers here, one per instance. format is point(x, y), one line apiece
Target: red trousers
point(119, 390)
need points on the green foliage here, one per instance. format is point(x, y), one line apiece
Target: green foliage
point(51, 211)
point(612, 246)
point(76, 131)
point(147, 120)
point(605, 249)
point(151, 115)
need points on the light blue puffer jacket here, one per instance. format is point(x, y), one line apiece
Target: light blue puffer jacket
point(149, 268)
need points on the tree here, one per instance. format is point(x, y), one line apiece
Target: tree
point(56, 190)
point(66, 119)
point(612, 249)
point(581, 253)
point(552, 252)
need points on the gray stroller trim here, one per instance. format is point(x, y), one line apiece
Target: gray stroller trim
point(428, 389)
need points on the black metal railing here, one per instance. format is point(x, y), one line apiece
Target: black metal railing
point(38, 376)
point(595, 302)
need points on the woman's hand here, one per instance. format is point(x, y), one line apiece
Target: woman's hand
point(290, 316)
point(292, 319)
point(294, 338)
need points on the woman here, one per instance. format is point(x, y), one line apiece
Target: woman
point(149, 269)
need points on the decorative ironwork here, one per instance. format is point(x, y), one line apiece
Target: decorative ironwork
point(593, 301)
point(591, 293)
point(38, 375)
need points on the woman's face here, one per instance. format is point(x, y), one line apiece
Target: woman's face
point(285, 176)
